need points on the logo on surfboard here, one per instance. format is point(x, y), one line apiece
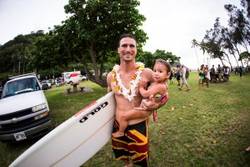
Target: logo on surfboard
point(93, 112)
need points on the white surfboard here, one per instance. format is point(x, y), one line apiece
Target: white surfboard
point(74, 141)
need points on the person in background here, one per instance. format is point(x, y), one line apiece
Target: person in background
point(171, 76)
point(183, 71)
point(178, 74)
point(226, 73)
point(207, 75)
point(201, 75)
point(220, 73)
point(212, 74)
point(240, 71)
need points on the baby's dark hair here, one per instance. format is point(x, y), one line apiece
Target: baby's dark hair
point(164, 62)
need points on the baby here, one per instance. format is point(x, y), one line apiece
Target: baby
point(156, 94)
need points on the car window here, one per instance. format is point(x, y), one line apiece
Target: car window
point(20, 86)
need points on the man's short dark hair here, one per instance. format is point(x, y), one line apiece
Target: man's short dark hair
point(125, 36)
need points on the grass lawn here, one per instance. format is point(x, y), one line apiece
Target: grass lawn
point(202, 127)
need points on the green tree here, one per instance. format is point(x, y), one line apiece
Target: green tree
point(246, 5)
point(149, 58)
point(222, 42)
point(99, 25)
point(245, 56)
point(227, 44)
point(168, 56)
point(16, 54)
point(239, 28)
point(211, 43)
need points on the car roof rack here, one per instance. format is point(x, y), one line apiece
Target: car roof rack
point(22, 75)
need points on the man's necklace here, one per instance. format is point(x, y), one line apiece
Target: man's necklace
point(129, 93)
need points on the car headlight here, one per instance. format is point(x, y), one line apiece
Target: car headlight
point(39, 107)
point(41, 115)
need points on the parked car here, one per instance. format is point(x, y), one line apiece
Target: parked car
point(24, 110)
point(83, 77)
point(1, 89)
point(45, 84)
point(73, 77)
point(58, 82)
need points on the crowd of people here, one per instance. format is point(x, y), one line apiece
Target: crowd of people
point(206, 75)
point(220, 74)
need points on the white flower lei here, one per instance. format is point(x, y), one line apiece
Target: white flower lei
point(131, 92)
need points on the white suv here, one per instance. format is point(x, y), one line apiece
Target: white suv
point(24, 110)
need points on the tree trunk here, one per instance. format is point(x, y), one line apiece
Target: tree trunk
point(223, 64)
point(244, 42)
point(67, 49)
point(101, 70)
point(239, 56)
point(97, 76)
point(242, 64)
point(233, 53)
point(101, 82)
point(93, 59)
point(229, 60)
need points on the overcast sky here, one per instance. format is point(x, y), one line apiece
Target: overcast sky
point(171, 24)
